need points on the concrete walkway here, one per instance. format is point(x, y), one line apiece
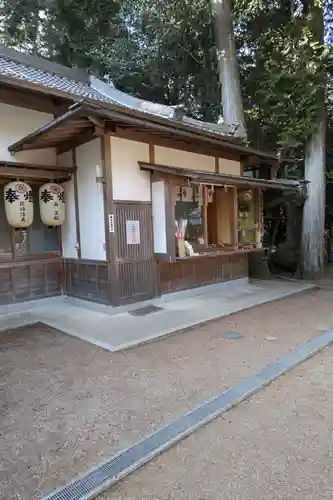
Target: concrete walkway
point(119, 328)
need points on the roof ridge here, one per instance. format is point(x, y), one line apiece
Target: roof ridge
point(38, 62)
point(155, 108)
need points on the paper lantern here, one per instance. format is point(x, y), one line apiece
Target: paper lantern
point(19, 207)
point(52, 204)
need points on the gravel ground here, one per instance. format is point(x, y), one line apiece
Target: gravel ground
point(275, 446)
point(66, 405)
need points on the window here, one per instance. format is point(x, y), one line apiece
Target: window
point(38, 238)
point(204, 219)
point(189, 219)
point(247, 226)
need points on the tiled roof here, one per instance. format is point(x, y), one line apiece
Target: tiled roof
point(77, 83)
point(50, 80)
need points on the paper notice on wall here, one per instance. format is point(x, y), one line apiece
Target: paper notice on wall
point(133, 232)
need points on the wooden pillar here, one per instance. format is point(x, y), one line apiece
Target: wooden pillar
point(109, 219)
point(217, 165)
point(205, 213)
point(76, 204)
point(259, 212)
point(156, 276)
point(234, 218)
point(151, 154)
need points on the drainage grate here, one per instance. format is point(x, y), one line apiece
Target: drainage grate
point(102, 477)
point(144, 311)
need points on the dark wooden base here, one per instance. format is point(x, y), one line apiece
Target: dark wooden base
point(202, 270)
point(29, 280)
point(87, 279)
point(258, 265)
point(90, 280)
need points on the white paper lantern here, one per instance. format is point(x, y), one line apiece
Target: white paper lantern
point(19, 207)
point(52, 204)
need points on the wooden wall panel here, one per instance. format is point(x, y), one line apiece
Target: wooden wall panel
point(30, 280)
point(199, 271)
point(87, 279)
point(258, 265)
point(135, 264)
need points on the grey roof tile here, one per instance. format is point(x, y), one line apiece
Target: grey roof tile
point(47, 79)
point(50, 75)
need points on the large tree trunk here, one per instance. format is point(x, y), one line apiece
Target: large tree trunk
point(231, 97)
point(313, 233)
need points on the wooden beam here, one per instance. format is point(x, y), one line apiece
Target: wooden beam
point(110, 128)
point(205, 213)
point(28, 100)
point(151, 153)
point(32, 138)
point(182, 130)
point(242, 168)
point(61, 106)
point(34, 174)
point(200, 177)
point(76, 204)
point(56, 168)
point(109, 212)
point(139, 119)
point(234, 226)
point(37, 88)
point(217, 165)
point(98, 131)
point(76, 141)
point(98, 122)
point(172, 143)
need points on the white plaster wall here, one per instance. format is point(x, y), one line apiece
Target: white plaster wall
point(15, 124)
point(184, 159)
point(230, 167)
point(65, 159)
point(159, 217)
point(129, 182)
point(91, 202)
point(68, 229)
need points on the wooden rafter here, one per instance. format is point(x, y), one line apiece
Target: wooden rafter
point(19, 165)
point(33, 174)
point(197, 176)
point(78, 140)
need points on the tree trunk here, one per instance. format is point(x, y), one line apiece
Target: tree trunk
point(231, 97)
point(313, 234)
point(313, 229)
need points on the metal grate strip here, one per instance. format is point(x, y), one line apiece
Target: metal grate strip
point(108, 473)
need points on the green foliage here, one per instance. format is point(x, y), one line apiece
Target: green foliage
point(73, 32)
point(165, 51)
point(175, 58)
point(283, 72)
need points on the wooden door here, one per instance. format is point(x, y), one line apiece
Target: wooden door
point(135, 263)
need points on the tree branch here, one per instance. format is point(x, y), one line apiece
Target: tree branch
point(191, 55)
